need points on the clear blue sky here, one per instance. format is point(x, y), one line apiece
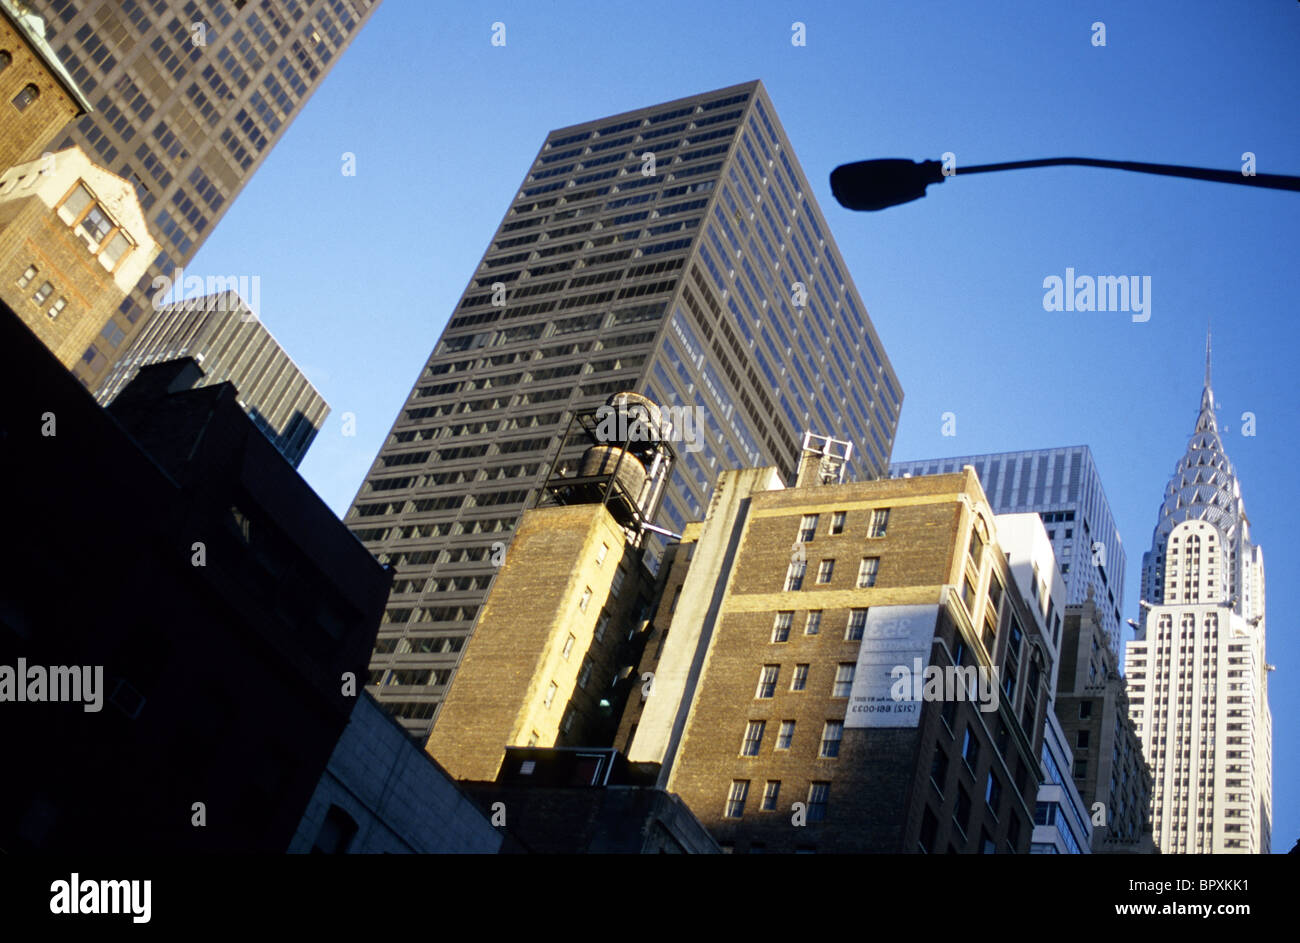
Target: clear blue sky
point(360, 273)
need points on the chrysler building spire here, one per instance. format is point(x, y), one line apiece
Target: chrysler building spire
point(1197, 674)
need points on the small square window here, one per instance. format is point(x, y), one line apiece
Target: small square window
point(25, 279)
point(93, 227)
point(24, 98)
point(43, 293)
point(76, 202)
point(57, 308)
point(113, 252)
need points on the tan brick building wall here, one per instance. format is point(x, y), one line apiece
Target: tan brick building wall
point(28, 132)
point(881, 796)
point(518, 650)
point(38, 248)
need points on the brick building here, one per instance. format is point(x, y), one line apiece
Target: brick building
point(783, 621)
point(559, 631)
point(190, 98)
point(73, 243)
point(37, 95)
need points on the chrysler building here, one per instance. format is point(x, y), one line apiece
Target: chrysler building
point(1197, 676)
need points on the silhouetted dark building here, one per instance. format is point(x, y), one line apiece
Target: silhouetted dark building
point(212, 604)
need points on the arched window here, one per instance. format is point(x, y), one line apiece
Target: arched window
point(5, 59)
point(26, 97)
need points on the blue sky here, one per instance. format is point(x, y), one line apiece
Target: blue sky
point(359, 273)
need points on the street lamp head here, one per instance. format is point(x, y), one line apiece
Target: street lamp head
point(876, 184)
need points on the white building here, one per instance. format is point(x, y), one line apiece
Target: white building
point(1197, 677)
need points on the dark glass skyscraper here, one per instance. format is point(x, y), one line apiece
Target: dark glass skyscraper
point(189, 96)
point(675, 251)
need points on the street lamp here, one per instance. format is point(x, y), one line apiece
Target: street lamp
point(877, 184)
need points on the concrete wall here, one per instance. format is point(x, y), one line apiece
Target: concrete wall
point(402, 802)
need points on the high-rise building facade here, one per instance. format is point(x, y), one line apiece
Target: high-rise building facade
point(1197, 675)
point(1064, 487)
point(675, 251)
point(225, 337)
point(189, 97)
